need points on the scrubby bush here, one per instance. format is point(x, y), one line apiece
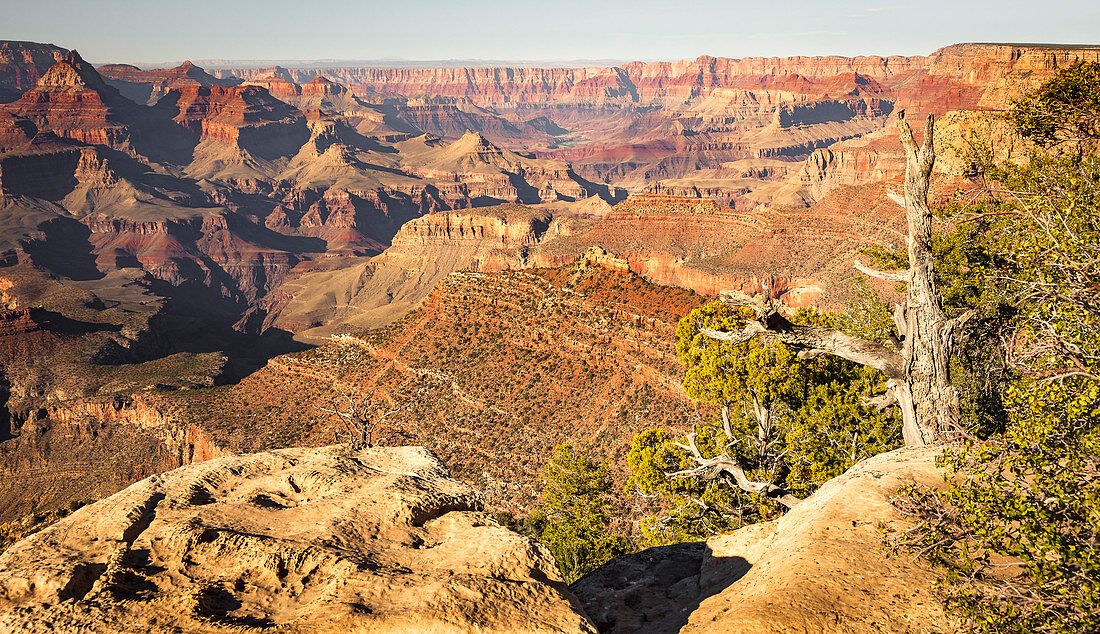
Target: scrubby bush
point(574, 517)
point(1016, 533)
point(793, 423)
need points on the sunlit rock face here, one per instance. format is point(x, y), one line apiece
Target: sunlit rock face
point(301, 540)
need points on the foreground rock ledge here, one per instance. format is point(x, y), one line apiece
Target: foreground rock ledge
point(294, 540)
point(819, 568)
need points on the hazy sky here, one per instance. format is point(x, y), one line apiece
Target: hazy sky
point(161, 30)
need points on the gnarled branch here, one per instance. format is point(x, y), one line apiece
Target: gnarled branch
point(711, 468)
point(774, 326)
point(890, 276)
point(884, 401)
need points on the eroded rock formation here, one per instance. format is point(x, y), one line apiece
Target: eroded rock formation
point(633, 124)
point(22, 64)
point(299, 540)
point(148, 86)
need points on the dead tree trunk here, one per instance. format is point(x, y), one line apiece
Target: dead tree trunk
point(918, 365)
point(356, 423)
point(927, 395)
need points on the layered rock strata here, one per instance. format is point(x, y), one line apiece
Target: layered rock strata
point(22, 64)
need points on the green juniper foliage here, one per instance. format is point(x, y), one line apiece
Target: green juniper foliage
point(574, 517)
point(1017, 530)
point(1065, 113)
point(817, 426)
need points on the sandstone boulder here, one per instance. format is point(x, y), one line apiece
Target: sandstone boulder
point(293, 540)
point(819, 568)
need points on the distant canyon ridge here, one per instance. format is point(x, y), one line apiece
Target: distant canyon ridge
point(309, 199)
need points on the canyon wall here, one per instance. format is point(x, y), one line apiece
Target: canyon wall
point(149, 214)
point(22, 64)
point(970, 75)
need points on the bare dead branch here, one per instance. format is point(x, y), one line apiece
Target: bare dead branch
point(360, 421)
point(890, 276)
point(733, 337)
point(900, 321)
point(775, 326)
point(709, 469)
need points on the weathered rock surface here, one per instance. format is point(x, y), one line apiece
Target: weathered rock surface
point(298, 540)
point(22, 64)
point(819, 568)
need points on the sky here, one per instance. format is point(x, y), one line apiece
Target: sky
point(166, 30)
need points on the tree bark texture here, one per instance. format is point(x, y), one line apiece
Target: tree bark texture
point(919, 364)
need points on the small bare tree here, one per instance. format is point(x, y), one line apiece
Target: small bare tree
point(358, 421)
point(918, 365)
point(729, 462)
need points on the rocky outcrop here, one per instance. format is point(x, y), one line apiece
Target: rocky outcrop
point(148, 86)
point(75, 449)
point(247, 117)
point(25, 332)
point(870, 158)
point(32, 162)
point(819, 568)
point(500, 226)
point(677, 241)
point(73, 101)
point(279, 87)
point(22, 64)
point(300, 540)
point(486, 170)
point(994, 74)
point(424, 251)
point(878, 156)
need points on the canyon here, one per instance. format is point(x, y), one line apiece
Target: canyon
point(197, 266)
point(186, 256)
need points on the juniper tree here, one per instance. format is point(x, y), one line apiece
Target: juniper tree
point(918, 369)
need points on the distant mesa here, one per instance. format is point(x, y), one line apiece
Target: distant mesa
point(149, 86)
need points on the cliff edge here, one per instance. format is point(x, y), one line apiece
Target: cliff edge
point(819, 568)
point(296, 540)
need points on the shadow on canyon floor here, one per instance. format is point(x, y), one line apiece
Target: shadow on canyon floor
point(655, 591)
